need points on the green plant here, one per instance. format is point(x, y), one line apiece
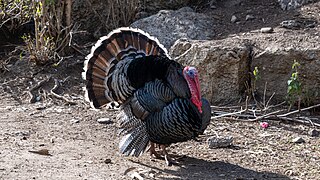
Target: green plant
point(52, 24)
point(14, 13)
point(256, 76)
point(294, 91)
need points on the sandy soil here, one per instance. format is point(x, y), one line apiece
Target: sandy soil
point(79, 147)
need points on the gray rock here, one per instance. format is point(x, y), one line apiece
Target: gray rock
point(73, 121)
point(169, 26)
point(223, 66)
point(219, 142)
point(104, 121)
point(152, 6)
point(298, 24)
point(234, 19)
point(232, 3)
point(266, 30)
point(291, 24)
point(298, 140)
point(293, 4)
point(274, 61)
point(313, 133)
point(249, 17)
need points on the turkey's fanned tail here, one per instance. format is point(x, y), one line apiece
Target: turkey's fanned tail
point(106, 66)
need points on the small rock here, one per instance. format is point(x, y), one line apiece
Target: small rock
point(213, 7)
point(313, 133)
point(234, 19)
point(291, 24)
point(105, 121)
point(38, 98)
point(219, 142)
point(249, 17)
point(267, 30)
point(107, 161)
point(74, 121)
point(298, 140)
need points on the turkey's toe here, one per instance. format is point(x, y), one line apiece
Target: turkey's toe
point(153, 152)
point(170, 161)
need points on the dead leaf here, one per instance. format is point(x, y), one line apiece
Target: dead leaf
point(128, 170)
point(136, 175)
point(44, 152)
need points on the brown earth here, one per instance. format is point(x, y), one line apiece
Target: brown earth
point(82, 148)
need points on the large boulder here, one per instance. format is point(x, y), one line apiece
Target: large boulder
point(169, 26)
point(274, 63)
point(293, 4)
point(223, 66)
point(226, 65)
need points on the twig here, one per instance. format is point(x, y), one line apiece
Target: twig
point(78, 50)
point(61, 58)
point(227, 107)
point(297, 120)
point(299, 110)
point(264, 94)
point(37, 86)
point(55, 87)
point(266, 106)
point(234, 113)
point(308, 119)
point(266, 115)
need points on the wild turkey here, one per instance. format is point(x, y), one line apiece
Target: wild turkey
point(160, 99)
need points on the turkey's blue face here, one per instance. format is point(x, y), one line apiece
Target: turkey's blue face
point(192, 78)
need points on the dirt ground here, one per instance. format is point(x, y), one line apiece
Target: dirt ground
point(79, 147)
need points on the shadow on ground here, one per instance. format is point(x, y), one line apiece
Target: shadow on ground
point(193, 168)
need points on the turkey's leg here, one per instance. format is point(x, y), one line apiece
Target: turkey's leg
point(169, 160)
point(153, 151)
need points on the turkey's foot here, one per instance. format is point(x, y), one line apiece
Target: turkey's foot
point(169, 161)
point(153, 152)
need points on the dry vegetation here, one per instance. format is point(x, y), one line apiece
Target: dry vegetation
point(48, 131)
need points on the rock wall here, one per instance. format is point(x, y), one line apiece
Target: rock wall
point(275, 68)
point(226, 65)
point(223, 67)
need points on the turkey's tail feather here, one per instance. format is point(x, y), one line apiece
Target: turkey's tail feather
point(103, 71)
point(135, 136)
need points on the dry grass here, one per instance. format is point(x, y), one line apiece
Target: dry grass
point(119, 13)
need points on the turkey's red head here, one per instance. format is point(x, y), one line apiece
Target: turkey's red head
point(192, 78)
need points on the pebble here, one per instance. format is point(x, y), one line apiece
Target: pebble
point(107, 161)
point(52, 140)
point(267, 30)
point(234, 19)
point(313, 133)
point(249, 17)
point(219, 142)
point(74, 121)
point(298, 140)
point(105, 121)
